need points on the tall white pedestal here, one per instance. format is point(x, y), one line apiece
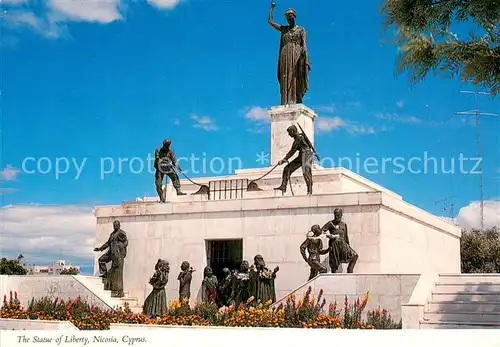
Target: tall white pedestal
point(281, 118)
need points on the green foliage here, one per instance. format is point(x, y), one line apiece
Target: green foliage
point(70, 271)
point(427, 43)
point(381, 319)
point(480, 251)
point(12, 267)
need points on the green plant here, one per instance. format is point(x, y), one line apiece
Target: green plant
point(71, 271)
point(480, 251)
point(381, 319)
point(13, 266)
point(427, 43)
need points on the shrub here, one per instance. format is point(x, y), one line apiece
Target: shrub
point(381, 319)
point(70, 271)
point(12, 267)
point(306, 313)
point(480, 251)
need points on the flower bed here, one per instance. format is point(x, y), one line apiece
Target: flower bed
point(307, 312)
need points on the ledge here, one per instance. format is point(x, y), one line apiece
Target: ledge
point(260, 203)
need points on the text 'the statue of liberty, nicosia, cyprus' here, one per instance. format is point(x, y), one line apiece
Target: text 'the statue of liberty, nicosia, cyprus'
point(293, 61)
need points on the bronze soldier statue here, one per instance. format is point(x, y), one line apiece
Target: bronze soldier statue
point(314, 246)
point(340, 248)
point(117, 251)
point(293, 61)
point(166, 164)
point(304, 160)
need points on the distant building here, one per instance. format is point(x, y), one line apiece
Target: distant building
point(54, 269)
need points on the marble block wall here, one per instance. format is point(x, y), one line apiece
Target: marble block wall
point(38, 286)
point(384, 291)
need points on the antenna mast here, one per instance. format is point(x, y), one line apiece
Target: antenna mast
point(477, 113)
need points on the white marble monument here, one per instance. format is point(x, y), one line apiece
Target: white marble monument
point(391, 236)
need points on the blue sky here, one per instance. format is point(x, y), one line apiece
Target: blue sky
point(92, 80)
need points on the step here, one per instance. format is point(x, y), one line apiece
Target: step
point(457, 325)
point(466, 296)
point(473, 288)
point(465, 317)
point(464, 306)
point(469, 278)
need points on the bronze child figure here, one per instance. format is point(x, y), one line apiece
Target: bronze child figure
point(209, 286)
point(314, 246)
point(184, 278)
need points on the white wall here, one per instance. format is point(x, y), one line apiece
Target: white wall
point(54, 286)
point(410, 246)
point(385, 291)
point(27, 324)
point(276, 234)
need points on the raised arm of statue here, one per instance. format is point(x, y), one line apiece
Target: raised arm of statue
point(270, 19)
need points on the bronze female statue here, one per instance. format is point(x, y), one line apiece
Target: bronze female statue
point(262, 281)
point(156, 303)
point(293, 61)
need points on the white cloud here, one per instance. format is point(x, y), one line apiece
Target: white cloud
point(101, 11)
point(327, 124)
point(258, 114)
point(25, 19)
point(204, 122)
point(326, 108)
point(9, 173)
point(400, 103)
point(360, 129)
point(45, 233)
point(164, 4)
point(397, 118)
point(470, 216)
point(52, 17)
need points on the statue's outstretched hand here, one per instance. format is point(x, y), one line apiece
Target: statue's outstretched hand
point(273, 4)
point(96, 249)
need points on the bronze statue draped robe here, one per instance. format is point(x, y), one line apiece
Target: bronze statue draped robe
point(156, 302)
point(293, 73)
point(262, 285)
point(117, 252)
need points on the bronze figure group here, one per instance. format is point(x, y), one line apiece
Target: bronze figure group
point(293, 77)
point(238, 286)
point(339, 248)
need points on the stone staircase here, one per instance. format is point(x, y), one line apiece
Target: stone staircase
point(95, 285)
point(465, 301)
